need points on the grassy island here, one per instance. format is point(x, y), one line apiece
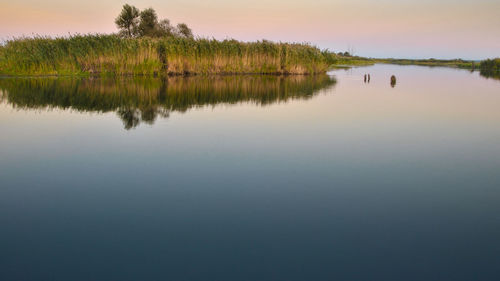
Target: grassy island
point(116, 55)
point(146, 45)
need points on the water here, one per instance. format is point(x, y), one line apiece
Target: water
point(252, 178)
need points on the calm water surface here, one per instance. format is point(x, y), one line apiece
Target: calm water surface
point(252, 178)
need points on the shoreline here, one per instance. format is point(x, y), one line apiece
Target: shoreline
point(168, 75)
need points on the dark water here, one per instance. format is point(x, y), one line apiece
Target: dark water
point(252, 178)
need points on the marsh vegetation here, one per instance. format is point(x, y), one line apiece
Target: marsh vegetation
point(116, 55)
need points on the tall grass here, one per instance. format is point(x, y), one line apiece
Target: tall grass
point(113, 55)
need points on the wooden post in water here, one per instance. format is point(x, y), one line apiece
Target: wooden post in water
point(393, 81)
point(365, 78)
point(369, 77)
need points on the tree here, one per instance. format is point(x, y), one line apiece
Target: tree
point(165, 28)
point(184, 31)
point(149, 23)
point(127, 20)
point(133, 22)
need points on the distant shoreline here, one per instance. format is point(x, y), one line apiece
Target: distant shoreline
point(361, 61)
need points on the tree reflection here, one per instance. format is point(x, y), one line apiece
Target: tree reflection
point(144, 100)
point(490, 74)
point(130, 117)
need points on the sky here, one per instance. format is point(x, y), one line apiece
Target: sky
point(468, 29)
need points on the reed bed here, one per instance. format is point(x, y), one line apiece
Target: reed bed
point(114, 55)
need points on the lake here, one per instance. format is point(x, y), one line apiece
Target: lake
point(320, 177)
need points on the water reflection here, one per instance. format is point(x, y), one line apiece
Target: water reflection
point(368, 183)
point(137, 100)
point(393, 81)
point(490, 74)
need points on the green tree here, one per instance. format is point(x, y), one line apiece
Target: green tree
point(128, 20)
point(184, 31)
point(149, 23)
point(165, 28)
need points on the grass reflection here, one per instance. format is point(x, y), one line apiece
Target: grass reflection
point(137, 100)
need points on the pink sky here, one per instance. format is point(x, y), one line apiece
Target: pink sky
point(383, 28)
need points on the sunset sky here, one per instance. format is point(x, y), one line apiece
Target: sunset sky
point(468, 29)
